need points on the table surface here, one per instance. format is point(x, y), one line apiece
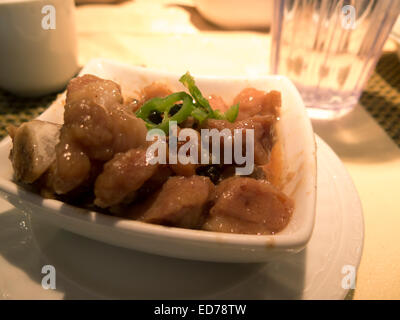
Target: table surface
point(171, 35)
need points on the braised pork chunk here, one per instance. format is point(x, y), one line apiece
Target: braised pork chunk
point(181, 202)
point(263, 134)
point(122, 176)
point(96, 126)
point(246, 205)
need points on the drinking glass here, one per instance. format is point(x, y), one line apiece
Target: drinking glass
point(329, 48)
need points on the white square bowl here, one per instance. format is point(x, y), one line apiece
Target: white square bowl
point(299, 157)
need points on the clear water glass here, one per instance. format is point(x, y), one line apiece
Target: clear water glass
point(329, 48)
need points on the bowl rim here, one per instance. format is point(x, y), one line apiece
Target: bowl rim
point(294, 240)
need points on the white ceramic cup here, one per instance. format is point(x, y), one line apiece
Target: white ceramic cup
point(38, 45)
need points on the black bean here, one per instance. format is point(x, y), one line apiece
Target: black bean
point(175, 109)
point(211, 171)
point(155, 117)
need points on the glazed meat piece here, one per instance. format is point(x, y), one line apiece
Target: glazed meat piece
point(96, 126)
point(255, 102)
point(246, 205)
point(128, 130)
point(89, 127)
point(72, 166)
point(274, 168)
point(88, 87)
point(155, 90)
point(155, 182)
point(217, 103)
point(33, 148)
point(96, 118)
point(187, 169)
point(122, 176)
point(263, 134)
point(181, 202)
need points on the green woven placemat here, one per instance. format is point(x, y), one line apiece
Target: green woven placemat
point(15, 110)
point(381, 98)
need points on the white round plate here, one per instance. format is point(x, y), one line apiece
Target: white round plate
point(87, 269)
